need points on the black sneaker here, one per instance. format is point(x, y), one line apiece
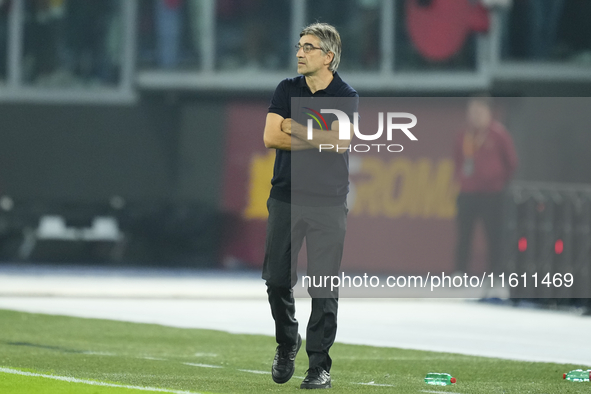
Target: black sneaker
point(316, 378)
point(284, 362)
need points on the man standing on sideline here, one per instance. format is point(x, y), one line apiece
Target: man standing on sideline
point(485, 161)
point(312, 207)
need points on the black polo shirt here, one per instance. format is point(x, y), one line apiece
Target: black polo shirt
point(319, 178)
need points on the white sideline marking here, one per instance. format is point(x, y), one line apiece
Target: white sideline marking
point(439, 392)
point(203, 365)
point(153, 358)
point(99, 353)
point(253, 371)
point(92, 382)
point(206, 355)
point(376, 384)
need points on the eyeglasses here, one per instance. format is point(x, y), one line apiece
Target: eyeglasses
point(307, 47)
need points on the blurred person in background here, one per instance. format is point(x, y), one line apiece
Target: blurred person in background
point(247, 38)
point(4, 10)
point(358, 22)
point(363, 27)
point(71, 42)
point(369, 33)
point(315, 211)
point(196, 10)
point(44, 41)
point(485, 160)
point(503, 8)
point(575, 31)
point(93, 37)
point(439, 34)
point(171, 33)
point(238, 37)
point(168, 28)
point(544, 17)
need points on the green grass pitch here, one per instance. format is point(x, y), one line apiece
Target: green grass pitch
point(205, 361)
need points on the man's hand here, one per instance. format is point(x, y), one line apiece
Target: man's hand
point(321, 137)
point(277, 134)
point(286, 126)
point(293, 128)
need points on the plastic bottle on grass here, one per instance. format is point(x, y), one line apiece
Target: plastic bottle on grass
point(439, 379)
point(578, 375)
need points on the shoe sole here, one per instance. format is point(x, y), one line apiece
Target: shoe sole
point(316, 386)
point(293, 370)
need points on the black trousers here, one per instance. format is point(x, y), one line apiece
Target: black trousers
point(323, 228)
point(472, 207)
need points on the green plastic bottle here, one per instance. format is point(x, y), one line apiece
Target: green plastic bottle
point(578, 375)
point(439, 379)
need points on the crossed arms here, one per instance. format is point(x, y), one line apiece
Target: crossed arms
point(287, 134)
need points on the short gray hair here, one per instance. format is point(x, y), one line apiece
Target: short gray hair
point(330, 41)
